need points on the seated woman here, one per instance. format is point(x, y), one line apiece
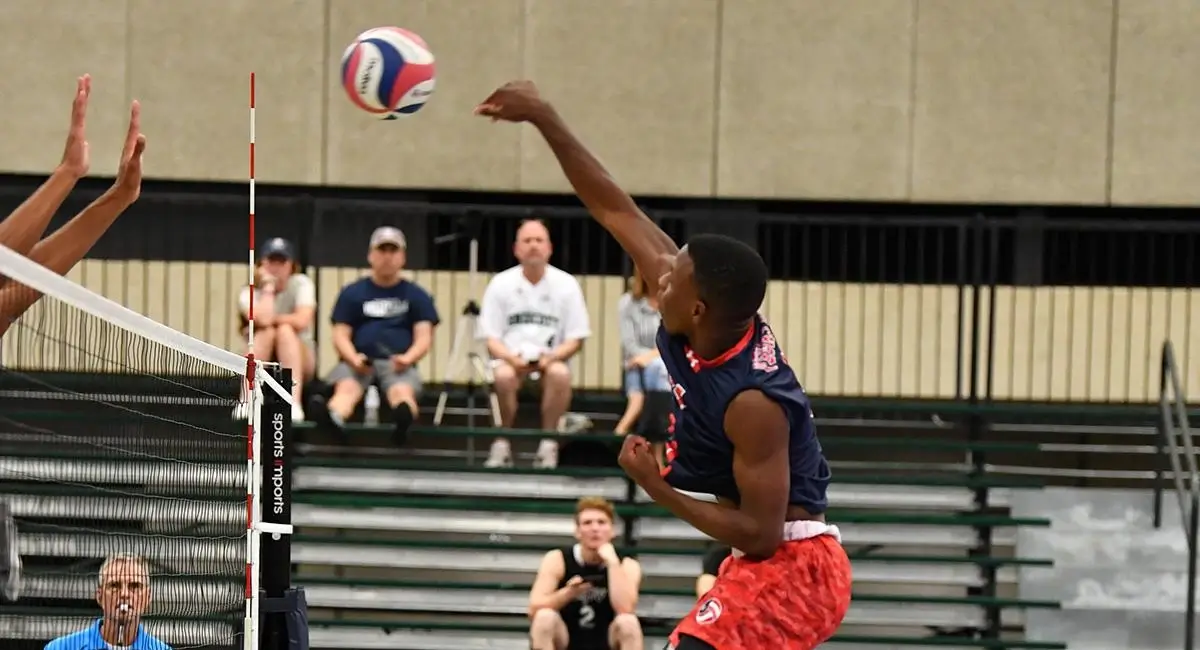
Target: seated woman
point(645, 373)
point(285, 305)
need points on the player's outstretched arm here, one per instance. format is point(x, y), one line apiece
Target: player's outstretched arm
point(646, 243)
point(758, 429)
point(25, 226)
point(62, 250)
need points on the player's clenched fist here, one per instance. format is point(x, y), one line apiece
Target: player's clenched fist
point(515, 101)
point(638, 460)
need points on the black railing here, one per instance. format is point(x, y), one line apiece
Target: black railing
point(1176, 443)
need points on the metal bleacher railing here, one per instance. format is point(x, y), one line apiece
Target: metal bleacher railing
point(1175, 443)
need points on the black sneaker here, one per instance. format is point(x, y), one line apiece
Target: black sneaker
point(318, 410)
point(403, 418)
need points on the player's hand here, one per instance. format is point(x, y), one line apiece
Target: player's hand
point(544, 362)
point(608, 554)
point(638, 461)
point(578, 586)
point(400, 363)
point(76, 158)
point(515, 101)
point(128, 185)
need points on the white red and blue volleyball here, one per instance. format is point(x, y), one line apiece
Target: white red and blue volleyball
point(388, 72)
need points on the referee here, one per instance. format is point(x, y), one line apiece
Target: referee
point(123, 594)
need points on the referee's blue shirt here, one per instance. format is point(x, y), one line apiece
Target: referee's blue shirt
point(90, 639)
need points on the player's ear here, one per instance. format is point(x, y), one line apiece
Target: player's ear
point(698, 310)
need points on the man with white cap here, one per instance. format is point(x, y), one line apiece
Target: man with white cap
point(382, 327)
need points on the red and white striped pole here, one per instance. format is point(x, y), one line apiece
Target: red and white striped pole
point(250, 640)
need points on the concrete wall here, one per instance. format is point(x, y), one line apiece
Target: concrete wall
point(843, 339)
point(1027, 101)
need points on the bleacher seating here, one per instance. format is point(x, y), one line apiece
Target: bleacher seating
point(421, 548)
point(408, 553)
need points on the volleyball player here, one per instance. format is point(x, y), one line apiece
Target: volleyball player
point(23, 229)
point(584, 595)
point(744, 464)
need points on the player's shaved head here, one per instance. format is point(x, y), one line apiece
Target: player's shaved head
point(730, 277)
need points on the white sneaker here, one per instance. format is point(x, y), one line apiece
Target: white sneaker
point(500, 455)
point(547, 454)
point(297, 413)
point(241, 411)
point(574, 423)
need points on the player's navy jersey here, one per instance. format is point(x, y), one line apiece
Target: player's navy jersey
point(699, 455)
point(587, 617)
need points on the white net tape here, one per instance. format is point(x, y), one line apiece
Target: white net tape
point(21, 269)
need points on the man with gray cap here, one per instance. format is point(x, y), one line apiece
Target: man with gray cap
point(382, 326)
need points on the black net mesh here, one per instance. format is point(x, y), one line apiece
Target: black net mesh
point(126, 479)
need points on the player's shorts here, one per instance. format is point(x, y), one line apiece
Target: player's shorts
point(794, 600)
point(382, 372)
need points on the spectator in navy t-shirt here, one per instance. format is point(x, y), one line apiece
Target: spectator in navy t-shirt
point(382, 326)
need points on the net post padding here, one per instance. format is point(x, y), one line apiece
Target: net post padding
point(282, 611)
point(23, 270)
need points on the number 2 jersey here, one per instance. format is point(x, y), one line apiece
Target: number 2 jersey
point(589, 616)
point(699, 454)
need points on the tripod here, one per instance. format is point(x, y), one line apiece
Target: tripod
point(464, 353)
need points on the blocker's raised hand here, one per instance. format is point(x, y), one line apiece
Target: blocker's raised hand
point(76, 158)
point(129, 174)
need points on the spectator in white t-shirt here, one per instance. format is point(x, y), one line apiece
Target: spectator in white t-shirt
point(534, 320)
point(285, 303)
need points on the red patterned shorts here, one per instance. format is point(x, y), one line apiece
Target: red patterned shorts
point(794, 600)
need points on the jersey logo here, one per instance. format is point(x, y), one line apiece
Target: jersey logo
point(709, 612)
point(764, 357)
point(693, 362)
point(679, 391)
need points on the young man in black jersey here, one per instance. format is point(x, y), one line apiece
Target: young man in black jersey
point(584, 595)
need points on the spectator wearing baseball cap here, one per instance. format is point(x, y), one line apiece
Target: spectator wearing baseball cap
point(285, 304)
point(382, 327)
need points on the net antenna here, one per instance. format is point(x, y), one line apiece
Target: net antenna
point(255, 492)
point(466, 362)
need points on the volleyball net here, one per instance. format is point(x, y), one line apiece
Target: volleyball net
point(128, 493)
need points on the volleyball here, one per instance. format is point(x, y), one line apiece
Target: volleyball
point(388, 72)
